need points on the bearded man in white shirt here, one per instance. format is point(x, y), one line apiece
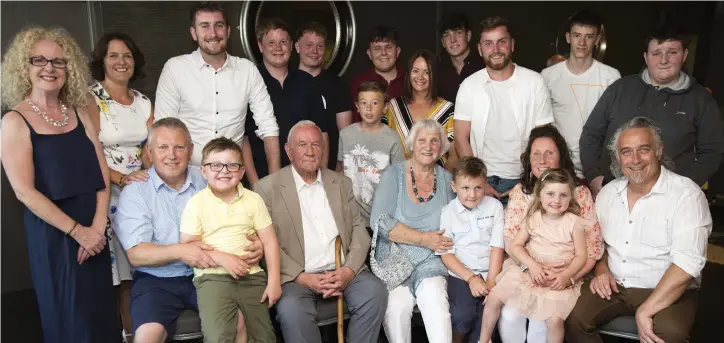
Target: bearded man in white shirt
point(655, 224)
point(497, 107)
point(210, 90)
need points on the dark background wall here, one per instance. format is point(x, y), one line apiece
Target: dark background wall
point(161, 31)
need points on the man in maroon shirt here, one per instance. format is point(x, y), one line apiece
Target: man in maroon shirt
point(383, 51)
point(458, 61)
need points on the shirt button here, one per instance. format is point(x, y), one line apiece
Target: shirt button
point(626, 242)
point(624, 261)
point(217, 132)
point(630, 221)
point(217, 112)
point(217, 92)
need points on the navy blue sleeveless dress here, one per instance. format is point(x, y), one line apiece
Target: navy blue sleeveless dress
point(77, 302)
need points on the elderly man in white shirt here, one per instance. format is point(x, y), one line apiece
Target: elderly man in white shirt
point(655, 224)
point(210, 90)
point(497, 107)
point(310, 207)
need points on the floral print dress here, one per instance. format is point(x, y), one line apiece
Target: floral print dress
point(123, 130)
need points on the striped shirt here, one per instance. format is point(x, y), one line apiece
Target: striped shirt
point(150, 212)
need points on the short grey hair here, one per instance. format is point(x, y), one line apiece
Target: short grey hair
point(301, 124)
point(637, 123)
point(429, 125)
point(169, 123)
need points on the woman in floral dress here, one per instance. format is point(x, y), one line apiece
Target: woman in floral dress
point(123, 115)
point(546, 149)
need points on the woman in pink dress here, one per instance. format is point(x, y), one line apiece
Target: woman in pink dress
point(552, 236)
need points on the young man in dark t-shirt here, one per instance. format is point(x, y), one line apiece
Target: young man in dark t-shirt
point(294, 94)
point(383, 50)
point(458, 61)
point(311, 46)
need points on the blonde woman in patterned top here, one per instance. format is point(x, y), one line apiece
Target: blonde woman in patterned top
point(123, 115)
point(419, 102)
point(546, 149)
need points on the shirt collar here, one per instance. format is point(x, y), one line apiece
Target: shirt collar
point(372, 75)
point(300, 183)
point(239, 190)
point(158, 182)
point(200, 63)
point(512, 77)
point(461, 208)
point(659, 187)
point(473, 56)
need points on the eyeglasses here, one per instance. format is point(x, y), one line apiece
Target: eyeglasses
point(40, 61)
point(217, 167)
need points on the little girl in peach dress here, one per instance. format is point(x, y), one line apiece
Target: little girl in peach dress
point(552, 236)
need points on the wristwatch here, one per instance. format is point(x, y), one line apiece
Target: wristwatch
point(523, 268)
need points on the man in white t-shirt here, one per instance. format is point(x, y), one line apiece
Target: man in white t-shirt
point(497, 107)
point(577, 84)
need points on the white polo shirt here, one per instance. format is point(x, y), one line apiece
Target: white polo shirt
point(474, 232)
point(213, 103)
point(670, 225)
point(573, 98)
point(524, 96)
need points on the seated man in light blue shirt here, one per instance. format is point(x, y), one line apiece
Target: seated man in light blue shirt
point(475, 223)
point(148, 226)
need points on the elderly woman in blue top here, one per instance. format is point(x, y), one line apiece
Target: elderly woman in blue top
point(406, 220)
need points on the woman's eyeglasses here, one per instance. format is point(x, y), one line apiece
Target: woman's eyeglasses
point(40, 61)
point(217, 167)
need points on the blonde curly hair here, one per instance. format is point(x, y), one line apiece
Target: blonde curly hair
point(15, 67)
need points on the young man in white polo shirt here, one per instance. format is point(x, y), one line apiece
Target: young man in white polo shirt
point(210, 90)
point(577, 84)
point(497, 107)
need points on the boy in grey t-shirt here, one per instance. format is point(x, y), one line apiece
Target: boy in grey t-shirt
point(368, 147)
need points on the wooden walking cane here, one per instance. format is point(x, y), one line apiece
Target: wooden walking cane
point(340, 301)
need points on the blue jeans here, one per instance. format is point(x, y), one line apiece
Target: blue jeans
point(502, 185)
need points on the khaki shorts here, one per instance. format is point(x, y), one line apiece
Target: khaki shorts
point(220, 297)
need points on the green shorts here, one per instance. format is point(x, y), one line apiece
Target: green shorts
point(220, 297)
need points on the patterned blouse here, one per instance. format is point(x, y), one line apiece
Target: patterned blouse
point(398, 118)
point(519, 202)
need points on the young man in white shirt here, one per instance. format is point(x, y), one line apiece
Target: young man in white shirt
point(210, 90)
point(497, 107)
point(577, 84)
point(656, 225)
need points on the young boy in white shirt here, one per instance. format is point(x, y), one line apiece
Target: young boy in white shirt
point(475, 223)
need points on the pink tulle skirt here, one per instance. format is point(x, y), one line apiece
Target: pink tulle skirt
point(516, 290)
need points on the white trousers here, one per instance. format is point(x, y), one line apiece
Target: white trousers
point(431, 299)
point(511, 327)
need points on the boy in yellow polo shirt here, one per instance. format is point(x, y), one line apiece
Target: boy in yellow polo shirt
point(221, 215)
